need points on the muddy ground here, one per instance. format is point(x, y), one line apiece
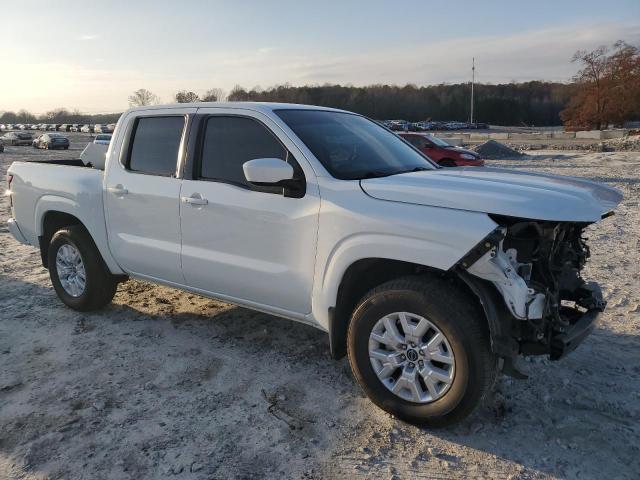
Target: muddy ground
point(165, 384)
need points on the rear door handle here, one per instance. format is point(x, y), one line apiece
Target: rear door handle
point(118, 190)
point(195, 199)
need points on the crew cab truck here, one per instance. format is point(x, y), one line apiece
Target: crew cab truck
point(432, 280)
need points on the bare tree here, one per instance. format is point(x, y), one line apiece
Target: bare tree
point(26, 116)
point(143, 97)
point(238, 94)
point(184, 96)
point(606, 88)
point(213, 95)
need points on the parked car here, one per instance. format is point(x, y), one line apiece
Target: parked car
point(87, 129)
point(398, 125)
point(75, 127)
point(22, 126)
point(51, 141)
point(102, 139)
point(3, 127)
point(17, 138)
point(8, 126)
point(101, 129)
point(429, 279)
point(441, 152)
point(1, 146)
point(64, 128)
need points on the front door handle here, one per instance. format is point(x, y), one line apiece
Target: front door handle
point(195, 199)
point(118, 190)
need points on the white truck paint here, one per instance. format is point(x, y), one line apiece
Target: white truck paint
point(288, 256)
point(300, 234)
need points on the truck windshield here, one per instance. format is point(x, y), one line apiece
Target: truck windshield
point(353, 147)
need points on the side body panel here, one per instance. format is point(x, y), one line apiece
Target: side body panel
point(142, 210)
point(354, 226)
point(39, 188)
point(256, 246)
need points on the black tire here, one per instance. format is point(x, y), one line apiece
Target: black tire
point(100, 284)
point(447, 163)
point(463, 325)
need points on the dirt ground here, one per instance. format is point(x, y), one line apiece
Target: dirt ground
point(165, 384)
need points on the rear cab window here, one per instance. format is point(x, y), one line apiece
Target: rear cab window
point(154, 145)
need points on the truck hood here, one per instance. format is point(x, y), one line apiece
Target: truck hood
point(499, 191)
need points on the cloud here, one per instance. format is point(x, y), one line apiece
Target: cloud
point(542, 54)
point(88, 37)
point(539, 54)
point(104, 86)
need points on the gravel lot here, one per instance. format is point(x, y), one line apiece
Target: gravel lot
point(165, 384)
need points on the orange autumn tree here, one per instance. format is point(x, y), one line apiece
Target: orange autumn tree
point(606, 89)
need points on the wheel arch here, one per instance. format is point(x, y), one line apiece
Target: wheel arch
point(53, 213)
point(359, 278)
point(447, 162)
point(365, 274)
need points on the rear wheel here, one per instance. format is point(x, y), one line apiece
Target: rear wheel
point(420, 350)
point(78, 273)
point(447, 162)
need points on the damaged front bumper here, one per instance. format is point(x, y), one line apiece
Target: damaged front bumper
point(528, 281)
point(581, 325)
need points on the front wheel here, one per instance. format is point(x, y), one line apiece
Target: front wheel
point(78, 273)
point(447, 163)
point(420, 350)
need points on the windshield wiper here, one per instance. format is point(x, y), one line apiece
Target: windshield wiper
point(375, 174)
point(380, 173)
point(416, 169)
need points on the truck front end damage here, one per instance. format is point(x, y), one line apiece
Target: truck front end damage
point(532, 269)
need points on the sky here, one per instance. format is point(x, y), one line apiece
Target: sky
point(92, 55)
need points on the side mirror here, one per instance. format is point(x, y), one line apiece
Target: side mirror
point(268, 172)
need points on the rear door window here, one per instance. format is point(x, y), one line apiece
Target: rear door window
point(154, 145)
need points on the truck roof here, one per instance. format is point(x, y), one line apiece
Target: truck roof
point(264, 107)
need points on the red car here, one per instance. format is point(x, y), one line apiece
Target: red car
point(441, 152)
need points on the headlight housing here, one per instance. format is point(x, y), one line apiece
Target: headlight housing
point(467, 156)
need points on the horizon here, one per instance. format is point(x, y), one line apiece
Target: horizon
point(94, 59)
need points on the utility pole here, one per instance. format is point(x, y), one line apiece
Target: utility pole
point(473, 79)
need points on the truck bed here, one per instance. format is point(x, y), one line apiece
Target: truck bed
point(39, 186)
point(62, 161)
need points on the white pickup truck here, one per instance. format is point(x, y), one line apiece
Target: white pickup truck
point(431, 279)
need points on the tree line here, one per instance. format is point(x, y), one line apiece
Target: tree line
point(58, 115)
point(604, 92)
point(529, 103)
